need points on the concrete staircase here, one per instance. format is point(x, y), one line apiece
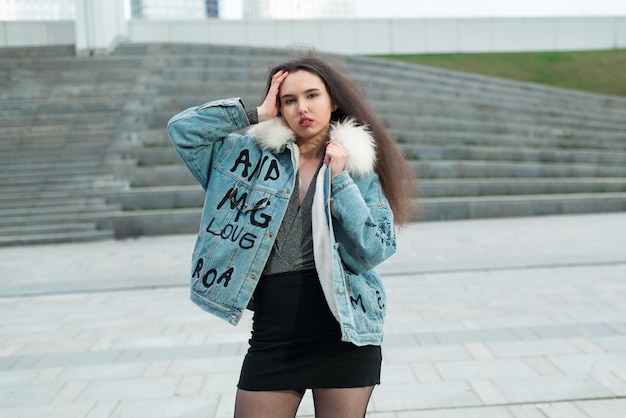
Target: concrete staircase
point(60, 148)
point(84, 152)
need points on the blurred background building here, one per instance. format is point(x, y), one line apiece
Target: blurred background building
point(173, 9)
point(139, 9)
point(298, 9)
point(37, 9)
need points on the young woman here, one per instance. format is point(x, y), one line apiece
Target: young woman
point(299, 210)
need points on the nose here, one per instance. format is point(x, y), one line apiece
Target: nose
point(302, 108)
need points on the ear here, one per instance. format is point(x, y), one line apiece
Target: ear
point(335, 107)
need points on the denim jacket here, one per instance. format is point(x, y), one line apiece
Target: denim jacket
point(248, 178)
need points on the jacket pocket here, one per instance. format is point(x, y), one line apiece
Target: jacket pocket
point(368, 301)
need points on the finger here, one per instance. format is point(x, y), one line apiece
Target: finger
point(276, 82)
point(327, 160)
point(279, 77)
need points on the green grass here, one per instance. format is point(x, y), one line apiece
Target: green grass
point(594, 71)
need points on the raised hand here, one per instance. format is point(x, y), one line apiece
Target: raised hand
point(271, 105)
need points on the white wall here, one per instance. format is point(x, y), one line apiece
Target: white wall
point(36, 33)
point(399, 36)
point(357, 36)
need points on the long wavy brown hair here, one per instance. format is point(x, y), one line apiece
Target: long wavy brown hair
point(397, 177)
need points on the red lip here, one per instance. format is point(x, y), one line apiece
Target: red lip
point(305, 122)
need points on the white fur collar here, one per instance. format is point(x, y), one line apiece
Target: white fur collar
point(274, 135)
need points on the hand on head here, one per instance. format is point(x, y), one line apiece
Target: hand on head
point(271, 105)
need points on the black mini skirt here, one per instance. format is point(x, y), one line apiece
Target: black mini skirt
point(296, 341)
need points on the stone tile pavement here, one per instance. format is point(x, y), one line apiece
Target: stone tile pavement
point(511, 318)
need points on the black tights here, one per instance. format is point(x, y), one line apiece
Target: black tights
point(329, 403)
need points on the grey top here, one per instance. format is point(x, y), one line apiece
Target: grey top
point(293, 248)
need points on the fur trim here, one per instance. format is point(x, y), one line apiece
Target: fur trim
point(274, 135)
point(359, 143)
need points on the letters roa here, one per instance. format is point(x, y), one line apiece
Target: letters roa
point(210, 277)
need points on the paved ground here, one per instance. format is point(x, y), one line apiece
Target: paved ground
point(515, 318)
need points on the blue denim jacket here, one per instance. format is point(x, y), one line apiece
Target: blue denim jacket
point(248, 178)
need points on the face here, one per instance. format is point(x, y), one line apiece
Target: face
point(306, 105)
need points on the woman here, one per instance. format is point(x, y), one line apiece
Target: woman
point(299, 209)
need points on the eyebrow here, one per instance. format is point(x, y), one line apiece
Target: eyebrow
point(307, 91)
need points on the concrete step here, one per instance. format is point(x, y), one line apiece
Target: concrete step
point(62, 106)
point(77, 119)
point(83, 185)
point(100, 218)
point(177, 49)
point(438, 209)
point(64, 91)
point(171, 175)
point(491, 140)
point(79, 72)
point(519, 154)
point(44, 172)
point(38, 52)
point(432, 123)
point(123, 93)
point(58, 200)
point(492, 169)
point(74, 137)
point(48, 229)
point(58, 145)
point(61, 191)
point(50, 237)
point(96, 175)
point(443, 188)
point(110, 127)
point(410, 107)
point(55, 162)
point(154, 156)
point(160, 197)
point(11, 214)
point(64, 154)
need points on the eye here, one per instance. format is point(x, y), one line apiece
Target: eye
point(289, 101)
point(313, 95)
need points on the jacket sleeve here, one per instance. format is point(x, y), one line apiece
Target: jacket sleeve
point(362, 222)
point(200, 132)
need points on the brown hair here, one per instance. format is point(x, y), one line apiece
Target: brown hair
point(397, 177)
